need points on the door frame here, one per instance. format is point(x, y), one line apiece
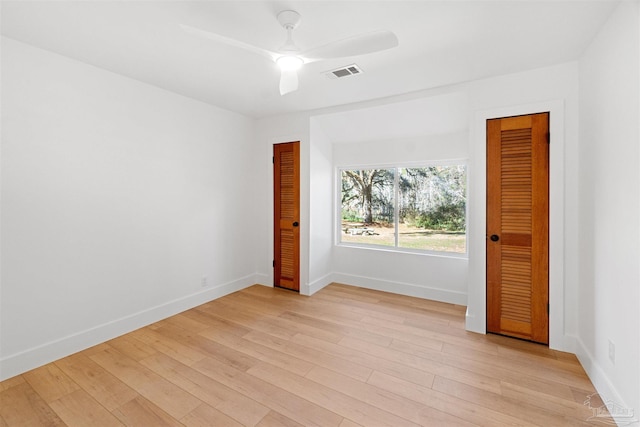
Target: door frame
point(477, 292)
point(267, 249)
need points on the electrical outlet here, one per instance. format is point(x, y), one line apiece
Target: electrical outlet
point(612, 352)
point(204, 282)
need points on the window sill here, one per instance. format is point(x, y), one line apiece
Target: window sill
point(420, 252)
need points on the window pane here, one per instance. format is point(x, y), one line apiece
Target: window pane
point(432, 214)
point(368, 206)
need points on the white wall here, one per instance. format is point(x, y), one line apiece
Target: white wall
point(321, 263)
point(552, 89)
point(443, 277)
point(610, 208)
point(321, 210)
point(288, 128)
point(117, 198)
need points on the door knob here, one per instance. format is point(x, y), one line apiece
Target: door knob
point(494, 237)
point(295, 223)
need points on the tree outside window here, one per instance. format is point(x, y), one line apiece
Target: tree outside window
point(417, 208)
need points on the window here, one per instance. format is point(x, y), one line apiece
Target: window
point(410, 208)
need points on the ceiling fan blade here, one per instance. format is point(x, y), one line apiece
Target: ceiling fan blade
point(288, 81)
point(231, 42)
point(354, 46)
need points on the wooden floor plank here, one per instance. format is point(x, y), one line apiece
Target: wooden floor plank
point(346, 356)
point(260, 352)
point(141, 412)
point(187, 322)
point(274, 419)
point(22, 406)
point(371, 301)
point(429, 361)
point(224, 399)
point(11, 382)
point(152, 386)
point(95, 380)
point(545, 401)
point(500, 371)
point(249, 319)
point(210, 348)
point(50, 382)
point(404, 300)
point(201, 315)
point(206, 416)
point(280, 322)
point(383, 399)
point(339, 328)
point(130, 346)
point(320, 358)
point(371, 361)
point(80, 409)
point(522, 409)
point(275, 397)
point(470, 412)
point(514, 370)
point(359, 409)
point(168, 346)
point(432, 333)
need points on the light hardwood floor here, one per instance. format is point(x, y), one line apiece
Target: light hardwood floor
point(267, 357)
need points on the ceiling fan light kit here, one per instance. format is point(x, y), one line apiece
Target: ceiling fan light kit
point(290, 58)
point(289, 63)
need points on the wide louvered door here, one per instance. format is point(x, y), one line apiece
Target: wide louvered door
point(518, 226)
point(286, 177)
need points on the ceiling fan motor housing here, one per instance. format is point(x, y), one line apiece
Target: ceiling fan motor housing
point(289, 19)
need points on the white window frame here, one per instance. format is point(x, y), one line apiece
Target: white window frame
point(406, 165)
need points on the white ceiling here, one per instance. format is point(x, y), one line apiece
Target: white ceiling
point(433, 115)
point(441, 42)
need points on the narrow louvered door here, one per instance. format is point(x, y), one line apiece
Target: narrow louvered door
point(518, 226)
point(286, 178)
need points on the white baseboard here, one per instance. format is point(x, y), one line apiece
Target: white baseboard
point(305, 289)
point(604, 386)
point(569, 344)
point(263, 279)
point(409, 289)
point(316, 285)
point(472, 325)
point(24, 361)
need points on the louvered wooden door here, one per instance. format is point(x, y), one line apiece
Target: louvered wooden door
point(286, 178)
point(518, 226)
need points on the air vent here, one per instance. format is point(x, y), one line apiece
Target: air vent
point(349, 70)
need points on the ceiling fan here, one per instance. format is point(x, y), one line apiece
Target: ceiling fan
point(290, 57)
